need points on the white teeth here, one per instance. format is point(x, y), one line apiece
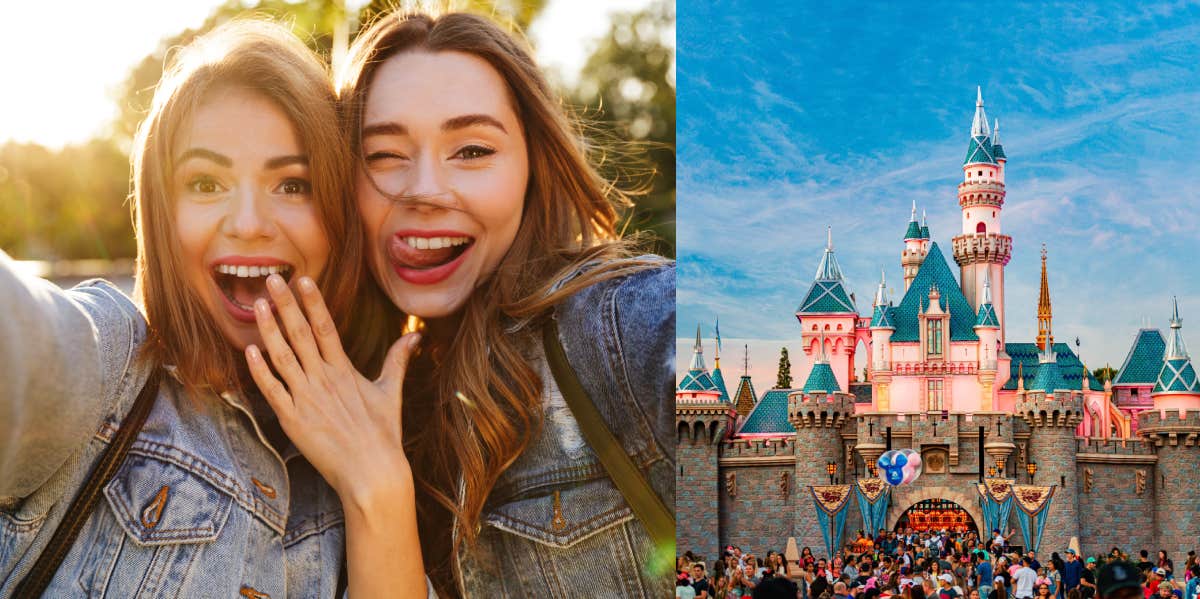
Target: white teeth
point(435, 243)
point(251, 271)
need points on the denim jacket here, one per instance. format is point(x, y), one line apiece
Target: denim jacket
point(202, 506)
point(555, 525)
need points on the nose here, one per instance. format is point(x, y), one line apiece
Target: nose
point(431, 187)
point(249, 215)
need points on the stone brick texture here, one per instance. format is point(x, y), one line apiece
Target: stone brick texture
point(761, 517)
point(697, 506)
point(1114, 515)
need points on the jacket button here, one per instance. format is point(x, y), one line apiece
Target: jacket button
point(264, 488)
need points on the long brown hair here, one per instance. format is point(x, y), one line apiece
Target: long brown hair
point(266, 59)
point(570, 218)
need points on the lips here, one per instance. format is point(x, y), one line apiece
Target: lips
point(427, 257)
point(242, 280)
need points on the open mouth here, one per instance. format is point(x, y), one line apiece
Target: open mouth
point(242, 285)
point(427, 253)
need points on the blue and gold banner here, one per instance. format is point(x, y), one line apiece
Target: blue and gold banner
point(831, 502)
point(995, 498)
point(874, 495)
point(1033, 505)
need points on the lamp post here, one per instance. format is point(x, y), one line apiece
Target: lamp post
point(991, 472)
point(831, 469)
point(999, 468)
point(1031, 468)
point(871, 470)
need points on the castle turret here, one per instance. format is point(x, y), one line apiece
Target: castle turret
point(828, 312)
point(981, 246)
point(701, 422)
point(1053, 413)
point(915, 248)
point(987, 328)
point(1174, 427)
point(882, 327)
point(819, 413)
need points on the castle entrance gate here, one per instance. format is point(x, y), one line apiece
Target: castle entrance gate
point(936, 515)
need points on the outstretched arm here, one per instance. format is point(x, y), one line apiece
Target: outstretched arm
point(63, 356)
point(349, 428)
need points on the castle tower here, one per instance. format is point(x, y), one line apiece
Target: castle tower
point(915, 248)
point(1044, 312)
point(1052, 413)
point(701, 421)
point(1173, 426)
point(744, 398)
point(987, 328)
point(981, 246)
point(717, 376)
point(818, 412)
point(882, 316)
point(828, 317)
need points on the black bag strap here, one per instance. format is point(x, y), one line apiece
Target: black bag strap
point(646, 504)
point(35, 583)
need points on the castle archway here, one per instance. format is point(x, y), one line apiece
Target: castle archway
point(934, 515)
point(959, 497)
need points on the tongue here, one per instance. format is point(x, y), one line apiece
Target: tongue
point(411, 257)
point(246, 290)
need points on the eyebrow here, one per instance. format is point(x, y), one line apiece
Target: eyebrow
point(227, 162)
point(452, 124)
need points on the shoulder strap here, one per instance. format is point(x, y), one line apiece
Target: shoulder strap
point(35, 583)
point(646, 504)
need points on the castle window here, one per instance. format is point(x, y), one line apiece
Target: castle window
point(980, 173)
point(826, 327)
point(839, 327)
point(981, 228)
point(933, 343)
point(933, 396)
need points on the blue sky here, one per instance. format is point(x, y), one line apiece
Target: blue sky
point(795, 116)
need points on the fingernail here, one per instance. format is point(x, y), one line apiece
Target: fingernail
point(262, 306)
point(276, 282)
point(416, 338)
point(307, 285)
point(252, 350)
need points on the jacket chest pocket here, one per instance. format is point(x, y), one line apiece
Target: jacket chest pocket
point(160, 516)
point(564, 516)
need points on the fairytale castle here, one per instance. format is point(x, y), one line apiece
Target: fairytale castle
point(1106, 462)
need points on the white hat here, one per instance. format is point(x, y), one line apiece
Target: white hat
point(946, 578)
point(998, 579)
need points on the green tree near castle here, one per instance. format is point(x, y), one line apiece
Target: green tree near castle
point(783, 380)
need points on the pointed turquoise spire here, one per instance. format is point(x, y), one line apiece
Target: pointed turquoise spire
point(997, 149)
point(987, 313)
point(914, 229)
point(881, 316)
point(697, 353)
point(821, 378)
point(828, 269)
point(924, 225)
point(980, 148)
point(1177, 374)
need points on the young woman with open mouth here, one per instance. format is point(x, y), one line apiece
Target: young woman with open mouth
point(240, 172)
point(484, 219)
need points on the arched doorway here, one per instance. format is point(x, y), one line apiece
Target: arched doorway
point(936, 515)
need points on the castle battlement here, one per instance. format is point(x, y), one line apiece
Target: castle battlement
point(1113, 446)
point(1170, 427)
point(818, 409)
point(1063, 409)
point(982, 247)
point(759, 447)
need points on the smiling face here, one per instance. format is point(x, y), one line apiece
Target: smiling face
point(443, 189)
point(243, 207)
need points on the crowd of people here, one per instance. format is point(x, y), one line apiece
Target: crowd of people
point(936, 565)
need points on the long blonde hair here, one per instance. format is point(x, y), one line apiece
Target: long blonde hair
point(569, 219)
point(268, 60)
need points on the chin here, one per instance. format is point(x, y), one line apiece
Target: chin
point(429, 306)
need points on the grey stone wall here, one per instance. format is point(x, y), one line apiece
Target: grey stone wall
point(696, 500)
point(761, 516)
point(1112, 513)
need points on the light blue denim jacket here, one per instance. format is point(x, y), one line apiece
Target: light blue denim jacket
point(555, 524)
point(202, 506)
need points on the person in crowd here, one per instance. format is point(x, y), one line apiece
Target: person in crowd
point(700, 581)
point(683, 587)
point(1087, 579)
point(1144, 564)
point(1054, 575)
point(1165, 563)
point(1193, 581)
point(1119, 579)
point(775, 587)
point(999, 588)
point(1072, 571)
point(1024, 580)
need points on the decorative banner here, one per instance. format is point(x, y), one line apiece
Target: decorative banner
point(995, 498)
point(900, 466)
point(831, 502)
point(1033, 505)
point(873, 498)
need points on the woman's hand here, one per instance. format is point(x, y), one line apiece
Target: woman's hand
point(348, 427)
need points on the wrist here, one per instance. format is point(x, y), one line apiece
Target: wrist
point(379, 493)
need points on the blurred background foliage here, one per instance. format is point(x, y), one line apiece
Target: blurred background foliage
point(72, 203)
